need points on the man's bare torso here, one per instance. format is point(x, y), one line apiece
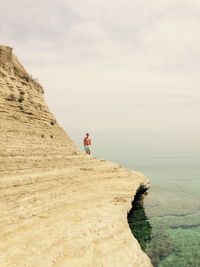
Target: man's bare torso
point(87, 141)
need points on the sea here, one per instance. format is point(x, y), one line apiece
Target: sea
point(167, 221)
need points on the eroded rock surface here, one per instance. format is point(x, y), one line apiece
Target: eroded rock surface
point(58, 207)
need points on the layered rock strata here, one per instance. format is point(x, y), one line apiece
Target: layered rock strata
point(59, 207)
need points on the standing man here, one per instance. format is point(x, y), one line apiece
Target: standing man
point(87, 143)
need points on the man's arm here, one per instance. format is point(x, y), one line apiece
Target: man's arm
point(84, 141)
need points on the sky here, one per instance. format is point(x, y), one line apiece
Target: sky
point(112, 66)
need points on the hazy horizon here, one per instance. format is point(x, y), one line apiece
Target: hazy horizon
point(113, 66)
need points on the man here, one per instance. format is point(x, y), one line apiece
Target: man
point(87, 143)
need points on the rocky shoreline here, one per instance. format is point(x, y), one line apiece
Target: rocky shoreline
point(59, 207)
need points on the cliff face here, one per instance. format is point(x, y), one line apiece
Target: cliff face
point(59, 207)
point(29, 134)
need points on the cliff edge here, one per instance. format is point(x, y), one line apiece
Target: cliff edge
point(59, 207)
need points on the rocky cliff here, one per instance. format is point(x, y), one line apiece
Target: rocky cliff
point(59, 207)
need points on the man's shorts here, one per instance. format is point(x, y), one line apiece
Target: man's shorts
point(87, 148)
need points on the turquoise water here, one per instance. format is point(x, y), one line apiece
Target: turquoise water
point(168, 222)
point(171, 211)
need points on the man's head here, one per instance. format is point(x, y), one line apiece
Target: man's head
point(87, 134)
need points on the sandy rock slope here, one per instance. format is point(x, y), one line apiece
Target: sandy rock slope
point(58, 207)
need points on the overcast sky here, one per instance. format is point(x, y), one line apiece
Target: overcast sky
point(111, 65)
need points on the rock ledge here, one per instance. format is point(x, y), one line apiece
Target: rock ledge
point(59, 207)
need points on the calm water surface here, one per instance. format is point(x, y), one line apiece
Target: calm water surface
point(170, 216)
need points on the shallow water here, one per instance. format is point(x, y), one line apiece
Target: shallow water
point(172, 212)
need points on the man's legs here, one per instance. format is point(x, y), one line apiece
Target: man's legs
point(87, 150)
